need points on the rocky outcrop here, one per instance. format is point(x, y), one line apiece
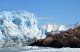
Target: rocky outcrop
point(69, 38)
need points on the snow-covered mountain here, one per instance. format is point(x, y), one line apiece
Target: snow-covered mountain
point(63, 28)
point(53, 28)
point(18, 28)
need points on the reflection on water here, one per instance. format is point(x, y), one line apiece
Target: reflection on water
point(39, 49)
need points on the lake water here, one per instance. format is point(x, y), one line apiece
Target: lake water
point(39, 49)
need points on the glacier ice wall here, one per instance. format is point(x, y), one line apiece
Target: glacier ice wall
point(18, 28)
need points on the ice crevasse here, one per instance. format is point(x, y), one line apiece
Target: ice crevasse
point(18, 28)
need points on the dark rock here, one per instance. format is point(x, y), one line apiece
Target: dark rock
point(38, 43)
point(69, 38)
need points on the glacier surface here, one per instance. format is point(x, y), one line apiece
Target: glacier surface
point(18, 28)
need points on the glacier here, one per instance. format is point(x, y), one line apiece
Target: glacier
point(18, 28)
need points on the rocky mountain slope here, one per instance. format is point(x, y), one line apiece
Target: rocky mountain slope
point(69, 38)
